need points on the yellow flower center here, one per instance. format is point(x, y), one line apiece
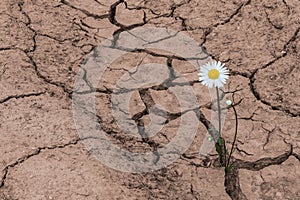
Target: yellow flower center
point(213, 74)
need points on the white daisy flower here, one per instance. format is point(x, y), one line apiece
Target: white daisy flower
point(213, 74)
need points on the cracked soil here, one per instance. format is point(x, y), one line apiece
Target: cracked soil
point(43, 46)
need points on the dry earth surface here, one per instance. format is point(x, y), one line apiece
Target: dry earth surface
point(45, 44)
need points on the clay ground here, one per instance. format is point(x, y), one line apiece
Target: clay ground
point(43, 46)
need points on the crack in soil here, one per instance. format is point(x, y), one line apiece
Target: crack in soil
point(49, 81)
point(209, 30)
point(87, 13)
point(297, 156)
point(231, 183)
point(252, 78)
point(113, 20)
point(276, 26)
point(6, 48)
point(263, 162)
point(236, 12)
point(21, 96)
point(268, 136)
point(30, 52)
point(37, 151)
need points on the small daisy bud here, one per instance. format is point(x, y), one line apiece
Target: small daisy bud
point(228, 102)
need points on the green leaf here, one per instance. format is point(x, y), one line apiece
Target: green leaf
point(229, 168)
point(220, 141)
point(219, 151)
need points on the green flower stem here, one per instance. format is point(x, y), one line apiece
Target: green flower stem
point(235, 134)
point(219, 110)
point(220, 128)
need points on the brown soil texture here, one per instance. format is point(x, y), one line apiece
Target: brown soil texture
point(44, 45)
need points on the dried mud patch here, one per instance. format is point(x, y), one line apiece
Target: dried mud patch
point(45, 45)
